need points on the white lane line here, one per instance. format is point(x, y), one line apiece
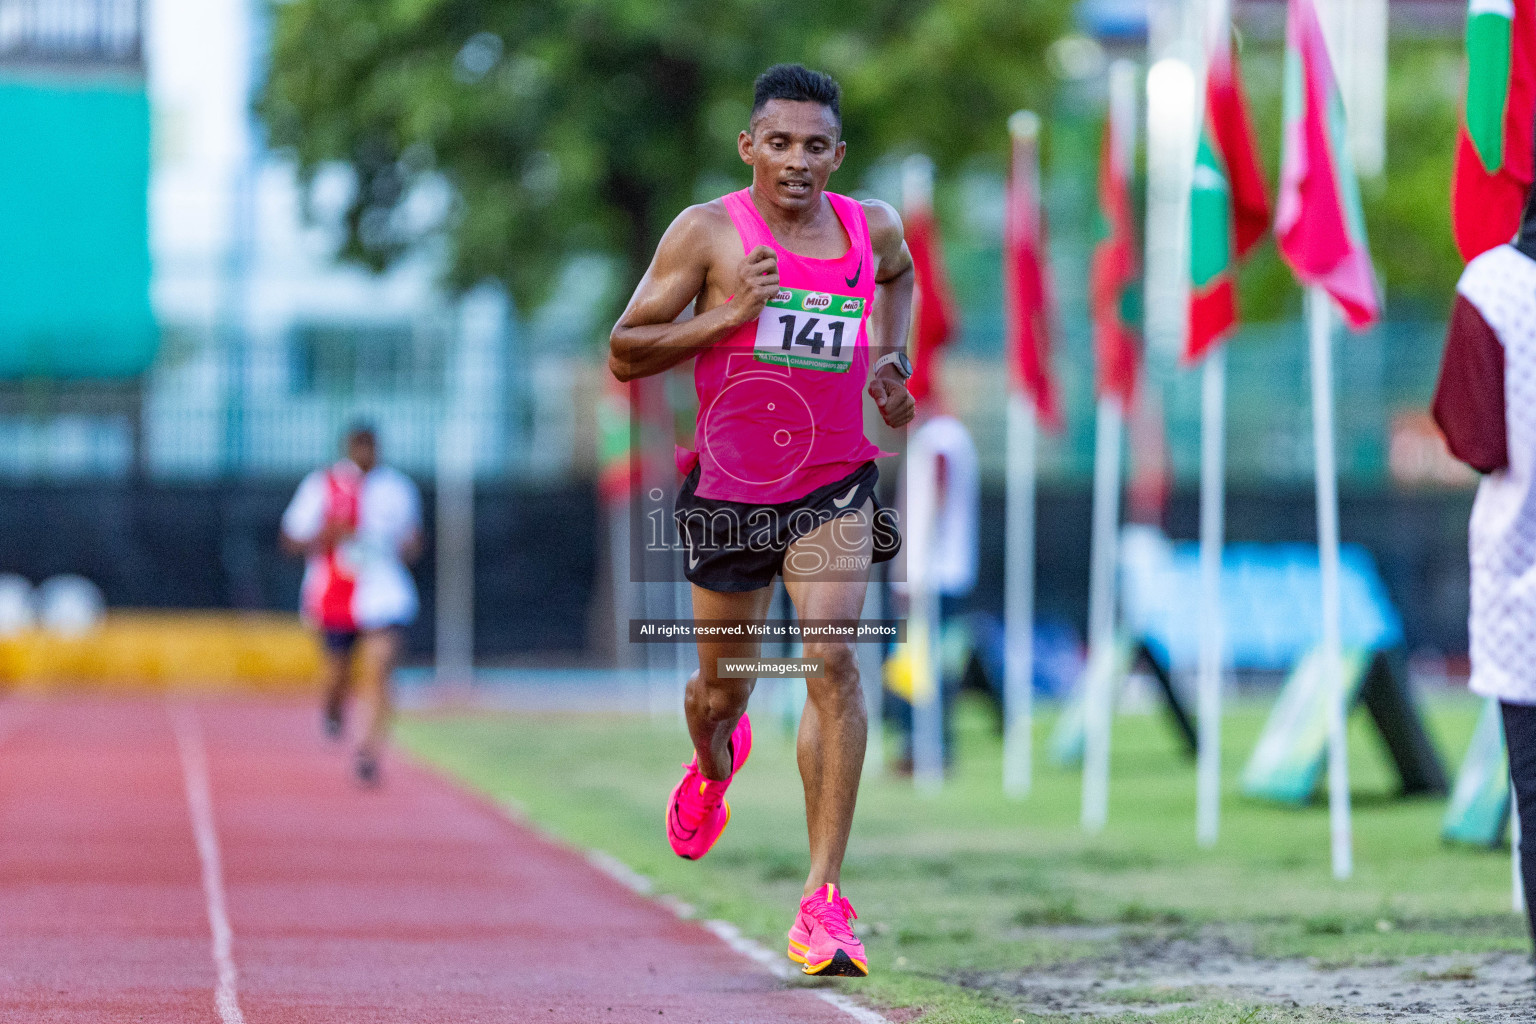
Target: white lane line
point(620, 872)
point(775, 964)
point(194, 766)
point(780, 967)
point(858, 1011)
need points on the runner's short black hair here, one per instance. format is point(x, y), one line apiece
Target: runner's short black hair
point(798, 83)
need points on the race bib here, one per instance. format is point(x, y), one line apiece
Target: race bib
point(809, 330)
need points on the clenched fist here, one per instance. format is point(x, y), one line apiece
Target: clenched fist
point(757, 281)
point(897, 406)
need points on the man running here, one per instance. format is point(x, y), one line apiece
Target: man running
point(357, 524)
point(787, 282)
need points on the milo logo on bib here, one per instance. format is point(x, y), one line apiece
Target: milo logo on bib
point(809, 330)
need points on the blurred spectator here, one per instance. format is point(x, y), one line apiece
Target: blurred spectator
point(1486, 405)
point(952, 560)
point(357, 524)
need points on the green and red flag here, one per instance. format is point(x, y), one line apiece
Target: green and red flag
point(1027, 282)
point(1319, 225)
point(1494, 158)
point(617, 464)
point(1114, 271)
point(1229, 200)
point(1490, 53)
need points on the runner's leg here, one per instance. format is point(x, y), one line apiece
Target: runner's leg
point(714, 705)
point(335, 675)
point(1520, 740)
point(378, 650)
point(826, 573)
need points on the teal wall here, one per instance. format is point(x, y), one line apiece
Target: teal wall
point(74, 229)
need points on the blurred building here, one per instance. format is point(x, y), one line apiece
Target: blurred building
point(270, 344)
point(74, 260)
point(180, 313)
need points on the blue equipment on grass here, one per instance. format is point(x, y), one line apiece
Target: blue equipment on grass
point(1478, 813)
point(1271, 623)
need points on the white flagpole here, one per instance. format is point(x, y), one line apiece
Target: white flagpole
point(623, 590)
point(922, 513)
point(1213, 409)
point(923, 629)
point(1019, 596)
point(871, 678)
point(455, 655)
point(482, 317)
point(1213, 392)
point(657, 601)
point(927, 692)
point(1019, 603)
point(1320, 316)
point(1099, 699)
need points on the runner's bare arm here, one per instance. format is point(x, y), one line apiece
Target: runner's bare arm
point(891, 315)
point(649, 338)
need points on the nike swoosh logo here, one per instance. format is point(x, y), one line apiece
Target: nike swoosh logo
point(675, 822)
point(854, 280)
point(845, 499)
point(693, 560)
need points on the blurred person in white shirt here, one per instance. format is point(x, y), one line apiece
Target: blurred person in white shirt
point(953, 493)
point(358, 525)
point(1485, 404)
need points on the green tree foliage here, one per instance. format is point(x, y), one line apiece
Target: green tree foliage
point(586, 125)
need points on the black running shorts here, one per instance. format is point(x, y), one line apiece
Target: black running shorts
point(342, 641)
point(734, 546)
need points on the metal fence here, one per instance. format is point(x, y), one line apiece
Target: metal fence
point(204, 413)
point(217, 407)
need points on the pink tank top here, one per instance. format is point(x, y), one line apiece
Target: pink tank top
point(781, 399)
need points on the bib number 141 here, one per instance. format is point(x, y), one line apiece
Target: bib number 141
point(809, 330)
point(810, 335)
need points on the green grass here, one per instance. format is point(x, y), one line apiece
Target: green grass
point(970, 882)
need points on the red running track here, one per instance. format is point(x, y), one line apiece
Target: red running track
point(414, 903)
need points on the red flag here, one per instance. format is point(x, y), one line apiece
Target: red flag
point(934, 320)
point(1486, 204)
point(1027, 283)
point(1227, 108)
point(1485, 208)
point(1112, 275)
point(1319, 224)
point(1229, 202)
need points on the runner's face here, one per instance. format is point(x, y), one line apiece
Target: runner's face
point(363, 452)
point(793, 148)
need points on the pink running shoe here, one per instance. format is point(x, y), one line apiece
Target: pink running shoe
point(697, 812)
point(822, 938)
